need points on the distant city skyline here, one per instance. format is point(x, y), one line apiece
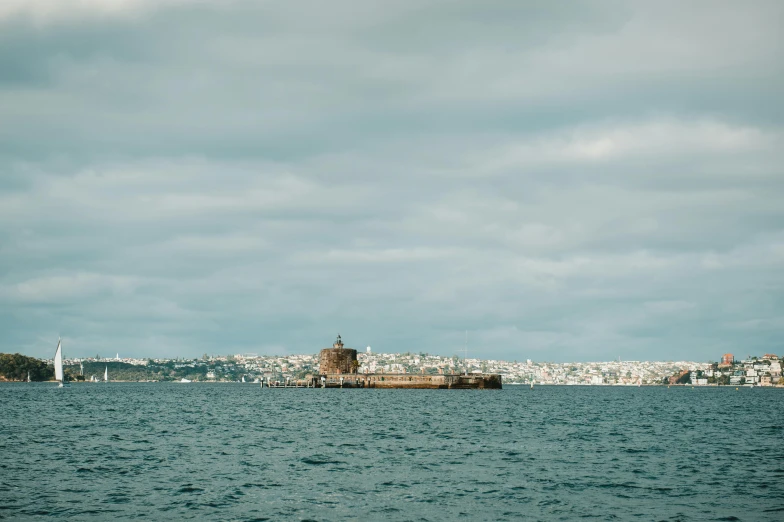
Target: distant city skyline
point(725, 358)
point(574, 182)
point(759, 370)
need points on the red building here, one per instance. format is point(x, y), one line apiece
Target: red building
point(727, 359)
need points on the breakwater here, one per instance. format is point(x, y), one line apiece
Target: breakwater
point(424, 382)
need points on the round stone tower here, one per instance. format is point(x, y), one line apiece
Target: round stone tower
point(338, 359)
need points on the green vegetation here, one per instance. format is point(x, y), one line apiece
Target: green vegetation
point(14, 367)
point(120, 371)
point(684, 379)
point(171, 370)
point(723, 380)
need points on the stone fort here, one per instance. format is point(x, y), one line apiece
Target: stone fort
point(338, 368)
point(338, 359)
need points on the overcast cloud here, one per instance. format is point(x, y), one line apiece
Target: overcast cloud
point(566, 181)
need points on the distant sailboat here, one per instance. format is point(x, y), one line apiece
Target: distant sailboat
point(28, 376)
point(243, 378)
point(106, 375)
point(58, 365)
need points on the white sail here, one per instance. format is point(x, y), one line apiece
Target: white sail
point(58, 362)
point(106, 374)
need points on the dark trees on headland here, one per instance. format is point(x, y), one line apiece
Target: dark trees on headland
point(14, 367)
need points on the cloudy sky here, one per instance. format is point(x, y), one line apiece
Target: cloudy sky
point(565, 181)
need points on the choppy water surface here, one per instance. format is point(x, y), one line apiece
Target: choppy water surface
point(237, 452)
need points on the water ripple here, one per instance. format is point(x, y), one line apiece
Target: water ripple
point(233, 452)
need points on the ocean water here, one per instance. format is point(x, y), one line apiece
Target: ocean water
point(237, 452)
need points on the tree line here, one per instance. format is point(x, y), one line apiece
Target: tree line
point(14, 367)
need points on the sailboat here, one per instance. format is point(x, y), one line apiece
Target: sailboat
point(532, 385)
point(58, 366)
point(243, 379)
point(106, 375)
point(28, 376)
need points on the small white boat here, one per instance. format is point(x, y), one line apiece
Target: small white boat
point(106, 375)
point(28, 376)
point(184, 380)
point(58, 366)
point(243, 379)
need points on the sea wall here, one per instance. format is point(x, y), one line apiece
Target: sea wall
point(484, 381)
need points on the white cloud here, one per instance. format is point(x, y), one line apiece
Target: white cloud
point(668, 307)
point(658, 139)
point(66, 288)
point(45, 12)
point(579, 179)
point(388, 255)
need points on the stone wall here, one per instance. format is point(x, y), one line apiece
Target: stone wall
point(337, 360)
point(402, 380)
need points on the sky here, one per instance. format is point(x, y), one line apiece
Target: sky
point(556, 181)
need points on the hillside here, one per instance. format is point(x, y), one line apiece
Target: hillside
point(14, 367)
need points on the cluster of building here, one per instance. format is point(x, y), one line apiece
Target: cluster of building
point(519, 372)
point(99, 359)
point(762, 371)
point(754, 371)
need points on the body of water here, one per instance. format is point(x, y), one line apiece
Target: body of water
point(237, 452)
